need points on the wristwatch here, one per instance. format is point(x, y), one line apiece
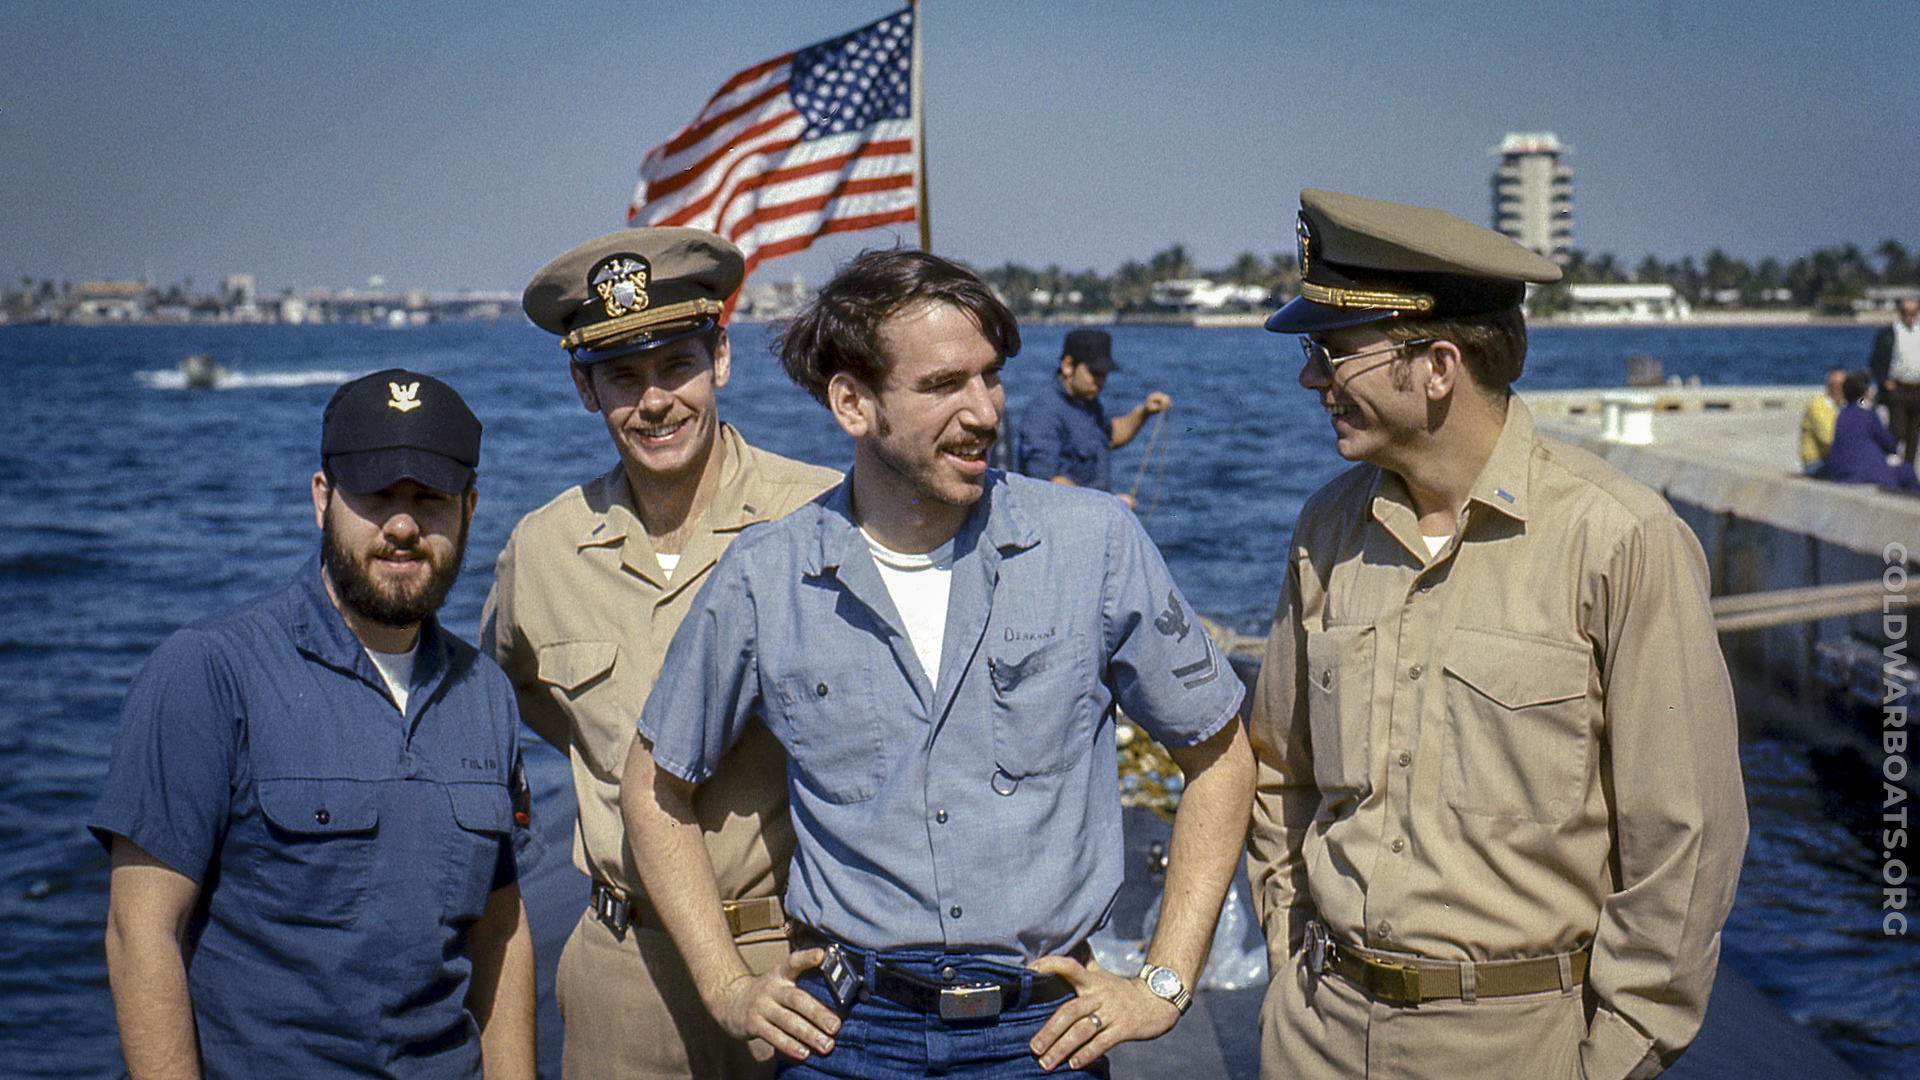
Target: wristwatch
point(1164, 983)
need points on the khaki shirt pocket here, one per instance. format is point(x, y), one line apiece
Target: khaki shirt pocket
point(579, 674)
point(1518, 726)
point(1339, 694)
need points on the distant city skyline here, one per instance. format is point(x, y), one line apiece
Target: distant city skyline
point(447, 146)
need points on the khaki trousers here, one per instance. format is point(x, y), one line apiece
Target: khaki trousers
point(1326, 1029)
point(631, 1011)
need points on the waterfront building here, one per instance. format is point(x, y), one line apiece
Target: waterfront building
point(1533, 193)
point(1610, 303)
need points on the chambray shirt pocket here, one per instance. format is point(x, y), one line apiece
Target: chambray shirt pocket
point(483, 812)
point(1041, 713)
point(1518, 726)
point(318, 864)
point(1339, 695)
point(832, 732)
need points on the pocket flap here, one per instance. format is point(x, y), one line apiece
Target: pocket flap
point(481, 807)
point(570, 665)
point(320, 807)
point(1516, 672)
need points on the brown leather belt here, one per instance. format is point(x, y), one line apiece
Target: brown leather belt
point(1404, 980)
point(747, 916)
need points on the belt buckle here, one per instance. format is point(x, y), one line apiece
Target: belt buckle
point(977, 1001)
point(1316, 948)
point(1394, 982)
point(611, 909)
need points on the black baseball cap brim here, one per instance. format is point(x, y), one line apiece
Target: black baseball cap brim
point(376, 470)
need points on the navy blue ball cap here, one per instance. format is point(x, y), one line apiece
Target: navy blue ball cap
point(1094, 348)
point(1364, 260)
point(399, 425)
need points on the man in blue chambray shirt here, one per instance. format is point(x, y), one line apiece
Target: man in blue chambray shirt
point(940, 648)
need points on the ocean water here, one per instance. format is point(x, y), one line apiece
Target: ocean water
point(130, 505)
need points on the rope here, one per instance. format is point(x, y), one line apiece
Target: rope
point(1160, 474)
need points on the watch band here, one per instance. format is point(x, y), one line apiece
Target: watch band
point(1179, 999)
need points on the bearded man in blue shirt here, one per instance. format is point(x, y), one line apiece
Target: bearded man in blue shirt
point(940, 648)
point(314, 798)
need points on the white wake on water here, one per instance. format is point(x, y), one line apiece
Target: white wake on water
point(175, 379)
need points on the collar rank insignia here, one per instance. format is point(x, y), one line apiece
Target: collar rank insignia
point(620, 281)
point(1303, 240)
point(405, 398)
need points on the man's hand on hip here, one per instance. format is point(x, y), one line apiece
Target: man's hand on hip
point(1106, 1010)
point(774, 1008)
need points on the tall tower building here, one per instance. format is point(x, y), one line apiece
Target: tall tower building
point(1533, 193)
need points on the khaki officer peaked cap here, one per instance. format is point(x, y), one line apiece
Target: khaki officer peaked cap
point(1362, 260)
point(634, 289)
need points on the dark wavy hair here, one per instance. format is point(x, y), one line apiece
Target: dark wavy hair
point(839, 330)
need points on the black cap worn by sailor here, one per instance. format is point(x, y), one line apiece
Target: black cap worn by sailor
point(634, 289)
point(399, 425)
point(1364, 260)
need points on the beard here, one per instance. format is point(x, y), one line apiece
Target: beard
point(388, 605)
point(922, 475)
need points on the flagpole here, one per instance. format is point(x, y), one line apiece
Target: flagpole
point(920, 138)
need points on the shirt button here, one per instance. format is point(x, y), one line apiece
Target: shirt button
point(1406, 758)
point(1426, 586)
point(1384, 928)
point(1399, 846)
point(1414, 671)
point(322, 816)
point(820, 690)
point(954, 911)
point(941, 817)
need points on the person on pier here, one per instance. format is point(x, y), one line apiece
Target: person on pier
point(1862, 444)
point(1500, 817)
point(1895, 364)
point(587, 594)
point(940, 647)
point(1816, 423)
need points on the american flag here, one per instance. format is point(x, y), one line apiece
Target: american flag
point(817, 141)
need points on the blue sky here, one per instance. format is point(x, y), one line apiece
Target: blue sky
point(450, 145)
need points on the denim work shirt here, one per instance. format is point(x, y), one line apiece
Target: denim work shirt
point(1060, 435)
point(343, 850)
point(982, 817)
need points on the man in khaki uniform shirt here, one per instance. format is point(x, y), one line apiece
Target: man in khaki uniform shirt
point(1500, 815)
point(588, 593)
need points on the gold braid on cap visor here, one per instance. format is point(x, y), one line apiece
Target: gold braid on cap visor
point(1365, 298)
point(628, 325)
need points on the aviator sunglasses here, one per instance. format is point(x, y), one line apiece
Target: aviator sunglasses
point(1324, 362)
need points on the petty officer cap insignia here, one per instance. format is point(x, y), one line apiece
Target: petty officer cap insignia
point(1363, 260)
point(399, 425)
point(635, 289)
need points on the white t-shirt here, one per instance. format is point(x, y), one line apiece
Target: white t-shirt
point(919, 585)
point(396, 670)
point(1906, 353)
point(1435, 543)
point(668, 563)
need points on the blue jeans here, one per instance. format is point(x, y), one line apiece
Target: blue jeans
point(879, 1040)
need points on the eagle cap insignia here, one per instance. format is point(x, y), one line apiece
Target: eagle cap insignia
point(620, 281)
point(405, 398)
point(1303, 240)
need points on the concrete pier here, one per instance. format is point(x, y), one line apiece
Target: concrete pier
point(1727, 458)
